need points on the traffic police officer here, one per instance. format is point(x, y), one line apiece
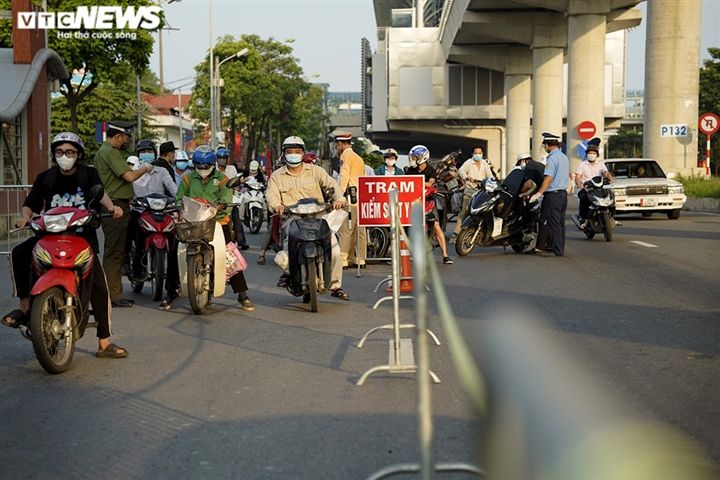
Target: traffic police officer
point(117, 176)
point(554, 189)
point(352, 166)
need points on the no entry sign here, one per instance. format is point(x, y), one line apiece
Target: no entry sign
point(374, 198)
point(586, 130)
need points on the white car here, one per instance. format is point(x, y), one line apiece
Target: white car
point(641, 186)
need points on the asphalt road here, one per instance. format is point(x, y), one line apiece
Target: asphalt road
point(271, 394)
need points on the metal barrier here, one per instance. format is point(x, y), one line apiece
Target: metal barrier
point(11, 201)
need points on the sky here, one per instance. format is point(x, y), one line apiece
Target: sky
point(327, 36)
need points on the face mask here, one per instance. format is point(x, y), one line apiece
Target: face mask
point(204, 173)
point(65, 163)
point(390, 162)
point(413, 163)
point(293, 159)
point(591, 157)
point(544, 147)
point(477, 157)
point(222, 161)
point(146, 157)
point(181, 165)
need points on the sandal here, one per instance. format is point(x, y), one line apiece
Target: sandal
point(339, 293)
point(18, 315)
point(111, 351)
point(261, 260)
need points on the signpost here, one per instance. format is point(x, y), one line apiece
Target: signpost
point(586, 130)
point(709, 123)
point(374, 198)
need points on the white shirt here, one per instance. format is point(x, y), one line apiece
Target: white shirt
point(470, 169)
point(369, 170)
point(230, 171)
point(589, 170)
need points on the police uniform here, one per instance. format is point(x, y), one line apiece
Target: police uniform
point(352, 167)
point(555, 196)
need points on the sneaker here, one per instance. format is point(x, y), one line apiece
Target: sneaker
point(244, 246)
point(246, 304)
point(453, 238)
point(123, 303)
point(167, 302)
point(283, 281)
point(447, 261)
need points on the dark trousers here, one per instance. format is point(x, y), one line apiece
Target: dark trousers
point(238, 226)
point(584, 204)
point(269, 234)
point(24, 277)
point(115, 230)
point(555, 205)
point(237, 281)
point(542, 239)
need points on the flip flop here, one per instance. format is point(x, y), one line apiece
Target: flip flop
point(18, 315)
point(261, 260)
point(111, 351)
point(339, 293)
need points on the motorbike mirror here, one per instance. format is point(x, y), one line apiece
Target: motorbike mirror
point(235, 182)
point(97, 192)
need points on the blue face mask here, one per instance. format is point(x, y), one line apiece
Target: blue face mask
point(181, 165)
point(146, 157)
point(293, 159)
point(478, 157)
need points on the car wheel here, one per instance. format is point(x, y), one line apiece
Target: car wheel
point(673, 214)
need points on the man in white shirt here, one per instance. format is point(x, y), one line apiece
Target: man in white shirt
point(585, 171)
point(472, 171)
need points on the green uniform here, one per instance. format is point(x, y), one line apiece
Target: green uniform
point(213, 189)
point(111, 165)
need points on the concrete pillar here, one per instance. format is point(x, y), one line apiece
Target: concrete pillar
point(517, 104)
point(672, 63)
point(586, 78)
point(547, 91)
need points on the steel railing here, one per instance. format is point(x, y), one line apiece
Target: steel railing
point(11, 202)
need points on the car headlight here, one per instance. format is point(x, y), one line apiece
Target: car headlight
point(84, 261)
point(676, 189)
point(41, 259)
point(621, 191)
point(157, 203)
point(57, 223)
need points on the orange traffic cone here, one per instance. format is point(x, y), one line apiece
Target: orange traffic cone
point(406, 284)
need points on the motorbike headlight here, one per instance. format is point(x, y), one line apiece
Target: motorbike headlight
point(157, 203)
point(676, 189)
point(620, 191)
point(41, 259)
point(80, 222)
point(308, 208)
point(84, 261)
point(57, 223)
point(604, 202)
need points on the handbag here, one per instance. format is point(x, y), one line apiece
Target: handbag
point(234, 261)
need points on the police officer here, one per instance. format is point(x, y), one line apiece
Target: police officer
point(554, 189)
point(352, 166)
point(117, 176)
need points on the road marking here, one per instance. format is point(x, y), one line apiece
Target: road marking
point(643, 243)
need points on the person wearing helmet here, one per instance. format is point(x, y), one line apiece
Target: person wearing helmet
point(310, 157)
point(419, 156)
point(117, 177)
point(224, 165)
point(389, 168)
point(167, 157)
point(68, 183)
point(472, 171)
point(296, 181)
point(181, 166)
point(353, 243)
point(584, 172)
point(207, 183)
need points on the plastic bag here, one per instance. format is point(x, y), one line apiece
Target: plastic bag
point(193, 210)
point(234, 261)
point(282, 260)
point(335, 219)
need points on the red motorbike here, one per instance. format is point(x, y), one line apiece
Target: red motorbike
point(158, 227)
point(59, 299)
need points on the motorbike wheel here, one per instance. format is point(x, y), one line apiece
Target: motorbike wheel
point(255, 220)
point(589, 234)
point(136, 285)
point(520, 247)
point(53, 349)
point(313, 284)
point(197, 284)
point(377, 242)
point(158, 277)
point(463, 243)
point(608, 229)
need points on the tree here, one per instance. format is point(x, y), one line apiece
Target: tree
point(101, 60)
point(308, 118)
point(627, 143)
point(709, 102)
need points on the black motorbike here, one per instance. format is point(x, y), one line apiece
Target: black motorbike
point(602, 209)
point(499, 217)
point(448, 198)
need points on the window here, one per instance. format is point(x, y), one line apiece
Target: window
point(12, 171)
point(471, 86)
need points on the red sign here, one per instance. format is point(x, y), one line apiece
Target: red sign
point(586, 130)
point(374, 198)
point(709, 123)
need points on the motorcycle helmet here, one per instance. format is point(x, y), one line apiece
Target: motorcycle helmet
point(310, 158)
point(222, 157)
point(204, 157)
point(71, 138)
point(420, 154)
point(254, 166)
point(180, 155)
point(146, 144)
point(293, 142)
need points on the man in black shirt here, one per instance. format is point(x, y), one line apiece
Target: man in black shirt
point(68, 184)
point(533, 175)
point(419, 156)
point(167, 157)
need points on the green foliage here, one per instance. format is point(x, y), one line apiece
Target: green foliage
point(628, 143)
point(709, 102)
point(374, 160)
point(307, 119)
point(700, 187)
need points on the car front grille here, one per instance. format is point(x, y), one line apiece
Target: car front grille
point(648, 190)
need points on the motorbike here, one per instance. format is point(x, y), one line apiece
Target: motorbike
point(430, 204)
point(60, 298)
point(378, 242)
point(157, 224)
point(450, 186)
point(602, 209)
point(498, 217)
point(252, 204)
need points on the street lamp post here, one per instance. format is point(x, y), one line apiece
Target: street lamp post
point(160, 48)
point(215, 102)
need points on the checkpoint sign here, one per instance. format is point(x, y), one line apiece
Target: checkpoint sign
point(586, 130)
point(374, 198)
point(709, 123)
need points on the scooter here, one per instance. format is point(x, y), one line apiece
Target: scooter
point(252, 205)
point(602, 209)
point(60, 298)
point(158, 226)
point(498, 217)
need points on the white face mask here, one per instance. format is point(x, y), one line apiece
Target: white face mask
point(204, 173)
point(390, 162)
point(592, 157)
point(413, 163)
point(293, 159)
point(65, 163)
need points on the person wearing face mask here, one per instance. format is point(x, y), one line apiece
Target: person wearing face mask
point(181, 166)
point(585, 171)
point(223, 163)
point(473, 171)
point(554, 193)
point(67, 184)
point(117, 176)
point(167, 157)
point(352, 166)
point(389, 168)
point(206, 183)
